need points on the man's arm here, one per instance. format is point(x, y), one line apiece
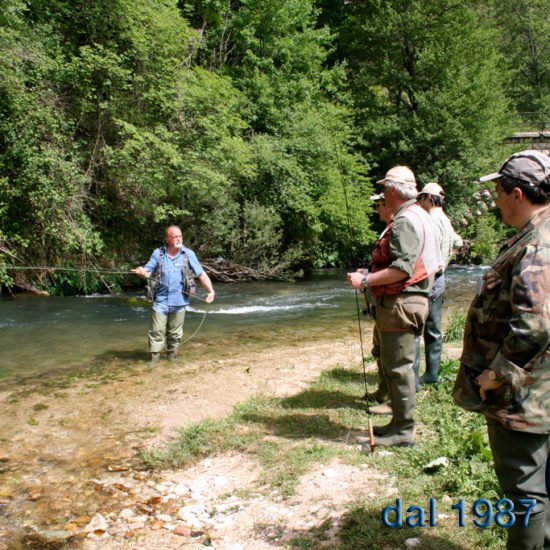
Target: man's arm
point(529, 325)
point(149, 267)
point(386, 276)
point(205, 281)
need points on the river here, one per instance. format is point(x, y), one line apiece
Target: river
point(45, 336)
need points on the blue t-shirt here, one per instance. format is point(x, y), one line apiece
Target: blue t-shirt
point(170, 291)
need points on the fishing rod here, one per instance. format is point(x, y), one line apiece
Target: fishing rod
point(357, 307)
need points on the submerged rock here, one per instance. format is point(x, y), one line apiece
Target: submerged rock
point(48, 540)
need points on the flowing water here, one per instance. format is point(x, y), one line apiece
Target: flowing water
point(45, 336)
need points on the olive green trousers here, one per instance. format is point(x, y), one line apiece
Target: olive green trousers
point(399, 319)
point(167, 328)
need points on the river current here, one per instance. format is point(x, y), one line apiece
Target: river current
point(44, 336)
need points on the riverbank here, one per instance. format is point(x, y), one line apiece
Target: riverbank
point(73, 475)
point(61, 446)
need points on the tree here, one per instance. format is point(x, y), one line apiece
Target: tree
point(525, 43)
point(427, 83)
point(301, 128)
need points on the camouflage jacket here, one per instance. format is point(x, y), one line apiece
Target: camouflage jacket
point(508, 331)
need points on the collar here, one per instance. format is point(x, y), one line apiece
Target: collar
point(540, 215)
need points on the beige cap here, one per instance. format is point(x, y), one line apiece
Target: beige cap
point(399, 174)
point(433, 189)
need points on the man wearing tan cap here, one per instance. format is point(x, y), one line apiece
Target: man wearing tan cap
point(431, 198)
point(403, 267)
point(505, 365)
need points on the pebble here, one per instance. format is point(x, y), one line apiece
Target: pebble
point(220, 481)
point(198, 485)
point(35, 494)
point(413, 543)
point(180, 489)
point(97, 525)
point(127, 513)
point(158, 524)
point(182, 531)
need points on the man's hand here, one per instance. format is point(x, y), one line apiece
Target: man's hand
point(210, 297)
point(141, 271)
point(356, 279)
point(486, 383)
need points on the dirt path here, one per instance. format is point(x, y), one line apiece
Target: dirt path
point(71, 458)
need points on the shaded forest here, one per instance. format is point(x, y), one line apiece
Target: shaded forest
point(259, 126)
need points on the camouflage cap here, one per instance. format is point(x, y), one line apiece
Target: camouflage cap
point(399, 174)
point(531, 166)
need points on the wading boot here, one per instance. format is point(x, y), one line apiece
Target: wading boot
point(376, 430)
point(393, 438)
point(433, 366)
point(155, 357)
point(382, 430)
point(427, 379)
point(172, 354)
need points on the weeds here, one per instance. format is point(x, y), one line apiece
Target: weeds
point(454, 330)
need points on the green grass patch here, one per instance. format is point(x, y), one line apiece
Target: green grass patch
point(454, 331)
point(288, 436)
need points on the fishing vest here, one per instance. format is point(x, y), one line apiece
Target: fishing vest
point(429, 259)
point(154, 280)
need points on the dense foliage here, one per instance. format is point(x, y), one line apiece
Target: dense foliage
point(257, 125)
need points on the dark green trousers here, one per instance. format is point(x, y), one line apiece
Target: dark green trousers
point(433, 342)
point(520, 463)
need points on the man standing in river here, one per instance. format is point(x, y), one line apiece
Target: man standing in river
point(403, 267)
point(171, 271)
point(505, 365)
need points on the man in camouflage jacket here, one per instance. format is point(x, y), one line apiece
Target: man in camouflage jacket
point(505, 364)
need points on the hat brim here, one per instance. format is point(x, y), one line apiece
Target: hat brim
point(381, 182)
point(490, 177)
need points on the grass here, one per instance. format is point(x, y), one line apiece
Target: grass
point(454, 331)
point(288, 436)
